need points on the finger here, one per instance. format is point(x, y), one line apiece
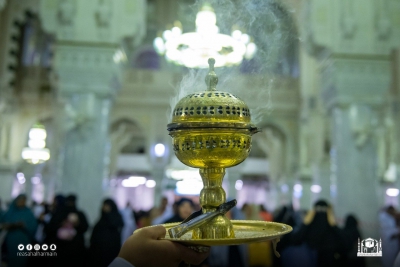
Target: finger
point(190, 256)
point(155, 232)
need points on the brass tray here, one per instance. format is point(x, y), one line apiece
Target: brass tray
point(246, 231)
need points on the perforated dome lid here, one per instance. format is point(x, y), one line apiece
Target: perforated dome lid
point(211, 107)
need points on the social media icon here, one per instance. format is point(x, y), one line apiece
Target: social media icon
point(37, 247)
point(45, 247)
point(53, 247)
point(29, 247)
point(20, 247)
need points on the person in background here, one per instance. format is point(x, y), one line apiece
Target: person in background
point(129, 222)
point(55, 209)
point(264, 214)
point(352, 234)
point(106, 236)
point(324, 240)
point(289, 216)
point(21, 226)
point(247, 211)
point(42, 220)
point(185, 207)
point(37, 209)
point(163, 212)
point(390, 235)
point(67, 228)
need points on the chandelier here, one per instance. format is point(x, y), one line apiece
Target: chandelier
point(193, 49)
point(36, 152)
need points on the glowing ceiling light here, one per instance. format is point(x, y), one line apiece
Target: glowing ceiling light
point(189, 187)
point(37, 133)
point(392, 192)
point(129, 183)
point(134, 181)
point(316, 188)
point(193, 49)
point(183, 174)
point(159, 150)
point(36, 152)
point(297, 188)
point(151, 183)
point(138, 179)
point(22, 180)
point(239, 185)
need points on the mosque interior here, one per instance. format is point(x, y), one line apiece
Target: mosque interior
point(86, 93)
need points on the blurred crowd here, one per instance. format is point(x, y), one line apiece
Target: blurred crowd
point(316, 240)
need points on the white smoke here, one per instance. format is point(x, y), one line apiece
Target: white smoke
point(271, 27)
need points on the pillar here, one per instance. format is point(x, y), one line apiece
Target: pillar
point(87, 63)
point(354, 92)
point(7, 177)
point(306, 196)
point(85, 75)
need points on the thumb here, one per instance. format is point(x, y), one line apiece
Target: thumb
point(155, 232)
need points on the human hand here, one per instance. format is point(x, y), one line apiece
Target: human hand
point(309, 217)
point(145, 249)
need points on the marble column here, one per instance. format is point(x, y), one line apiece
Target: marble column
point(322, 177)
point(88, 79)
point(354, 91)
point(306, 196)
point(354, 172)
point(7, 177)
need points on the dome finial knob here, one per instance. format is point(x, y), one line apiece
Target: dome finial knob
point(211, 78)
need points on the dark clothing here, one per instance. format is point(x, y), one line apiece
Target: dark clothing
point(328, 241)
point(22, 228)
point(105, 242)
point(175, 218)
point(351, 237)
point(68, 237)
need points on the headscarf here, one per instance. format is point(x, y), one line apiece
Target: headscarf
point(176, 217)
point(181, 201)
point(114, 209)
point(351, 231)
point(319, 228)
point(16, 214)
point(60, 200)
point(11, 214)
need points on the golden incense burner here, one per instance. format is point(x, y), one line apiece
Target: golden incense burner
point(211, 130)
